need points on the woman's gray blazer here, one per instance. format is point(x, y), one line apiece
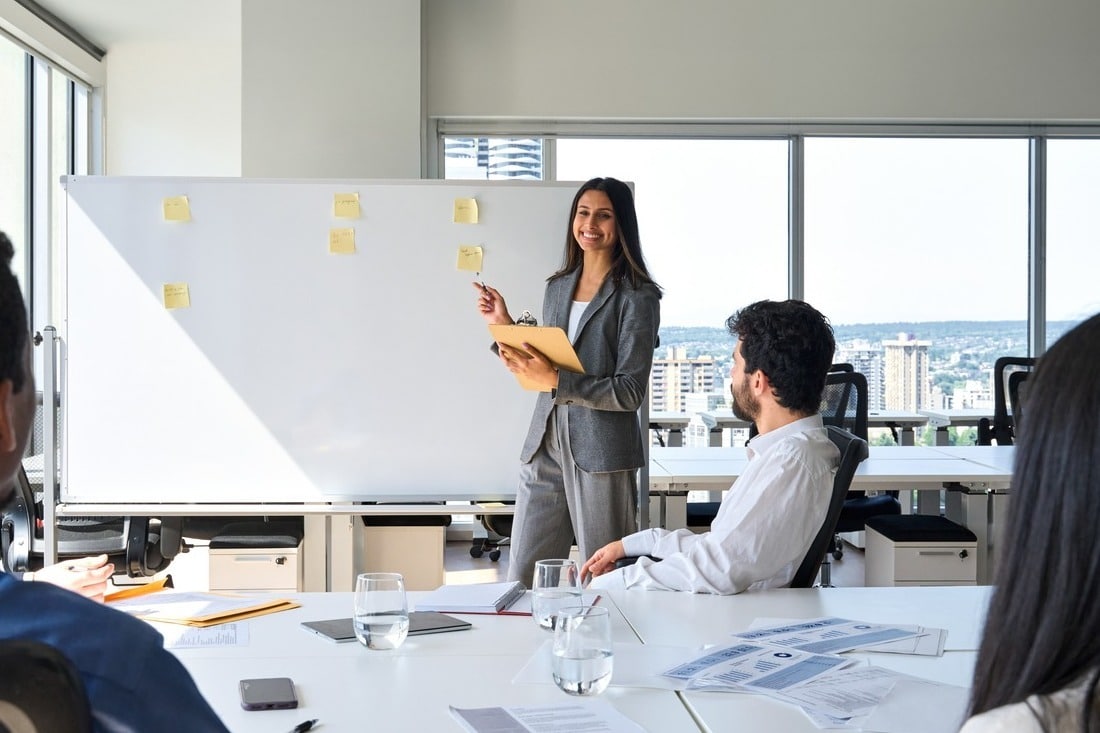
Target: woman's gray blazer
point(615, 343)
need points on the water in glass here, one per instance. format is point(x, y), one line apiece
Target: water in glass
point(381, 615)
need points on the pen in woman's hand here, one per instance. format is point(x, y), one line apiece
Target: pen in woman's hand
point(304, 726)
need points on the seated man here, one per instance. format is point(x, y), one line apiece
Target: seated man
point(132, 683)
point(767, 521)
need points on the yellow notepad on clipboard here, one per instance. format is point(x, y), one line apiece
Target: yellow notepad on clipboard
point(550, 340)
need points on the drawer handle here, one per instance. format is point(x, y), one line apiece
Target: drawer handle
point(963, 554)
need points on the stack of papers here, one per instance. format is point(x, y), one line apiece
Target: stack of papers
point(474, 598)
point(797, 662)
point(198, 609)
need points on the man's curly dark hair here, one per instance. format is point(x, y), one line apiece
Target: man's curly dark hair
point(13, 320)
point(792, 343)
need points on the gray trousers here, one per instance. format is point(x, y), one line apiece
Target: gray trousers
point(557, 502)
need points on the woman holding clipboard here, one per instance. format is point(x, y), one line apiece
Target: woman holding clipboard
point(578, 477)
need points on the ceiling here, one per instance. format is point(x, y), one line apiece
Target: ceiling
point(107, 23)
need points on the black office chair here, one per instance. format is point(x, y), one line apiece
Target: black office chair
point(40, 690)
point(844, 404)
point(853, 451)
point(1008, 373)
point(839, 406)
point(138, 546)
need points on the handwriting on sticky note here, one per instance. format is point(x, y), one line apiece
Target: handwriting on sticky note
point(469, 257)
point(177, 208)
point(341, 241)
point(177, 295)
point(465, 211)
point(345, 205)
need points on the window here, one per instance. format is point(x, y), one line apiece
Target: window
point(917, 250)
point(13, 151)
point(1073, 221)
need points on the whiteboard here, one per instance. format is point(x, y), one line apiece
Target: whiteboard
point(295, 374)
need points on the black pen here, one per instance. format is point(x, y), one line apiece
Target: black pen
point(304, 726)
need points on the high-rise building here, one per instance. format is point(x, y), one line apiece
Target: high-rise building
point(675, 376)
point(866, 360)
point(906, 383)
point(492, 158)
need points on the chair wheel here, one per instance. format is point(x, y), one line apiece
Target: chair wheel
point(494, 555)
point(476, 552)
point(837, 554)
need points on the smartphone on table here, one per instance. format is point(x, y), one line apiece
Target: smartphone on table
point(268, 693)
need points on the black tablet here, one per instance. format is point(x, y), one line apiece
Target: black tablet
point(420, 622)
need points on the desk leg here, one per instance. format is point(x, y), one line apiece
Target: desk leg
point(675, 438)
point(973, 511)
point(716, 438)
point(675, 510)
point(907, 436)
point(941, 436)
point(928, 502)
point(315, 553)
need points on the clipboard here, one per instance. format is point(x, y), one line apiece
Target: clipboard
point(550, 340)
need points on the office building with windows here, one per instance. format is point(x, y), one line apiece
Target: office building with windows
point(905, 363)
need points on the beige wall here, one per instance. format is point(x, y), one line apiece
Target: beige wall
point(780, 60)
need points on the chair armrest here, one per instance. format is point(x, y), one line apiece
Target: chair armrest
point(631, 559)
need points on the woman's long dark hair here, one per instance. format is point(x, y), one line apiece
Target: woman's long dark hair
point(627, 263)
point(1042, 632)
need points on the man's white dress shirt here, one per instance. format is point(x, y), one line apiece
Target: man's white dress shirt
point(763, 529)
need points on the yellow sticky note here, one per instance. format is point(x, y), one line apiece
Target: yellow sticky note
point(469, 258)
point(341, 241)
point(177, 295)
point(465, 211)
point(176, 208)
point(345, 205)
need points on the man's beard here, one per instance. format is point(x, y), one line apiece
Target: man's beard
point(744, 405)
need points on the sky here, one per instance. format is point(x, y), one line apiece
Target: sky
point(896, 229)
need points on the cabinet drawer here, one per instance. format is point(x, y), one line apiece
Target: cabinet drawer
point(935, 563)
point(252, 569)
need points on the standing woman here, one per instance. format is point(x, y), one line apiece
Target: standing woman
point(580, 459)
point(1039, 660)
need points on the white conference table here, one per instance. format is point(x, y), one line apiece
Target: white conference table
point(978, 472)
point(351, 688)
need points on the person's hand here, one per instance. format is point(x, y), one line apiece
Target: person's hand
point(87, 576)
point(603, 560)
point(529, 363)
point(491, 305)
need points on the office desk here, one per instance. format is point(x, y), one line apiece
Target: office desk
point(941, 420)
point(960, 610)
point(673, 422)
point(719, 420)
point(919, 468)
point(902, 420)
point(350, 688)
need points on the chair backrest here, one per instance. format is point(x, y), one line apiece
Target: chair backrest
point(138, 546)
point(1002, 429)
point(40, 689)
point(1017, 392)
point(853, 450)
point(844, 401)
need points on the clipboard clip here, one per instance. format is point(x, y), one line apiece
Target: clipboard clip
point(526, 319)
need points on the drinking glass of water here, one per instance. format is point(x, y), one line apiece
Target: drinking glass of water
point(583, 658)
point(381, 611)
point(557, 584)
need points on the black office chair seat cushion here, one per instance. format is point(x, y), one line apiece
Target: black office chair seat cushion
point(702, 513)
point(857, 512)
point(259, 534)
point(920, 528)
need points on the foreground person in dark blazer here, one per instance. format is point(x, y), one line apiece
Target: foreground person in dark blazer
point(584, 446)
point(132, 683)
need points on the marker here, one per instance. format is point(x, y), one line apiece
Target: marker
point(304, 726)
point(477, 276)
